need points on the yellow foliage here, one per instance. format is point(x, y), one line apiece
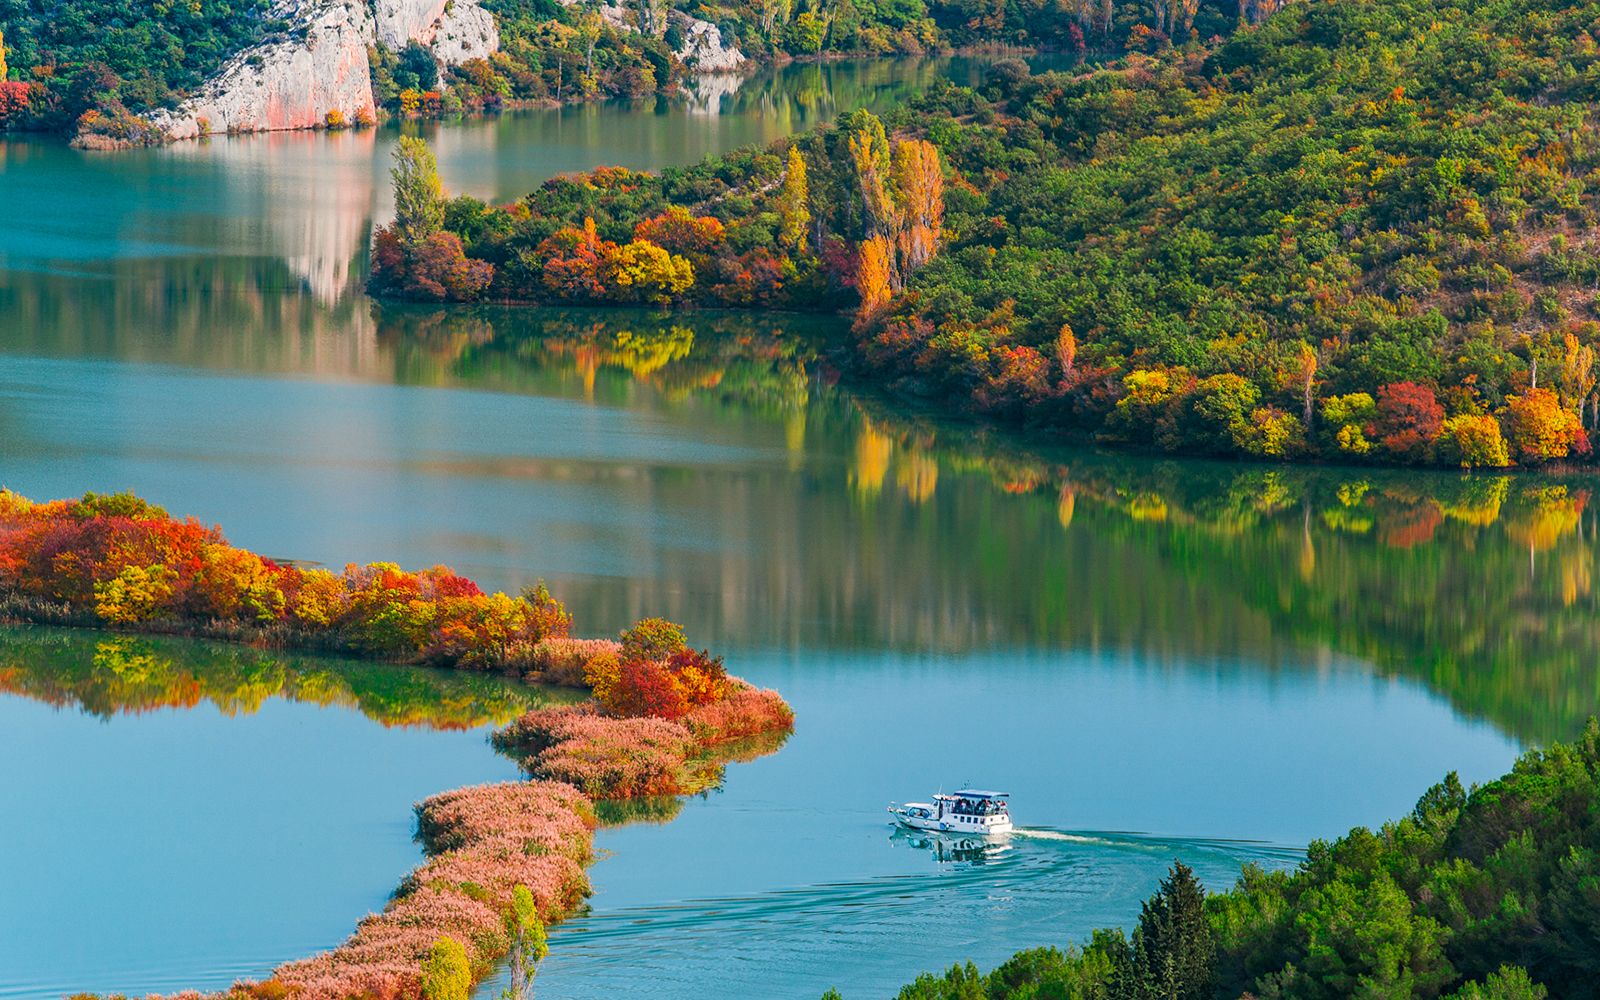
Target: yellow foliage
point(648, 273)
point(134, 595)
point(320, 598)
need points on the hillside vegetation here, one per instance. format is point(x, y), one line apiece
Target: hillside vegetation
point(1480, 895)
point(1363, 230)
point(122, 58)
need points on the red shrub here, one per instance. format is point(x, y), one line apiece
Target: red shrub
point(1409, 420)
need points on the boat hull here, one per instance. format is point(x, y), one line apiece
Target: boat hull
point(965, 826)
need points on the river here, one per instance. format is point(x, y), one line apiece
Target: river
point(1158, 659)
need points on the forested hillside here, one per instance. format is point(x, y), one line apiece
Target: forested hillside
point(1481, 895)
point(1363, 230)
point(114, 58)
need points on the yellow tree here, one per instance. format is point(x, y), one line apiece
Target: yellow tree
point(1577, 375)
point(869, 154)
point(874, 282)
point(919, 196)
point(793, 202)
point(1305, 373)
point(1066, 348)
point(2, 55)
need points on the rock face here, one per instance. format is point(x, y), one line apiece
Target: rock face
point(290, 83)
point(456, 30)
point(702, 50)
point(320, 66)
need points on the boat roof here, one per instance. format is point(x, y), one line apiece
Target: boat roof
point(973, 793)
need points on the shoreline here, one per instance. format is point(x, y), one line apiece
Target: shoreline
point(661, 719)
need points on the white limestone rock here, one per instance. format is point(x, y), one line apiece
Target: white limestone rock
point(290, 83)
point(456, 30)
point(702, 50)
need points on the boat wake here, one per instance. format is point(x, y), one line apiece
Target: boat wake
point(932, 898)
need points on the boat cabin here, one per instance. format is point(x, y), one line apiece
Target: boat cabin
point(972, 809)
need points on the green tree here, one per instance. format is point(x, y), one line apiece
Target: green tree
point(1174, 953)
point(418, 193)
point(1511, 982)
point(446, 974)
point(525, 931)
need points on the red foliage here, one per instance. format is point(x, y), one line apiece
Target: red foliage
point(1020, 376)
point(647, 687)
point(16, 101)
point(438, 268)
point(753, 278)
point(574, 260)
point(675, 230)
point(1408, 422)
point(117, 560)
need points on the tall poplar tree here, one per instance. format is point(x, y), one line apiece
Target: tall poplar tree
point(418, 193)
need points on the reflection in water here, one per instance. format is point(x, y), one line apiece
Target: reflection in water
point(947, 850)
point(805, 516)
point(106, 675)
point(309, 200)
point(183, 814)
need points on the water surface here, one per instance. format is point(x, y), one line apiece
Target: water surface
point(1159, 659)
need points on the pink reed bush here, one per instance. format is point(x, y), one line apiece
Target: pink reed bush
point(605, 757)
point(745, 713)
point(562, 659)
point(483, 841)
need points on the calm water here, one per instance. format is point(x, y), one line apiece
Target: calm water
point(1159, 659)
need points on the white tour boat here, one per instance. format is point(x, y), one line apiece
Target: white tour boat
point(970, 811)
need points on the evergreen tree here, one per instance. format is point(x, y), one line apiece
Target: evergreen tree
point(1174, 955)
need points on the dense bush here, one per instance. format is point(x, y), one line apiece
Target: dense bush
point(118, 561)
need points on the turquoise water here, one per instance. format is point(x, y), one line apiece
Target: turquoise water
point(1158, 659)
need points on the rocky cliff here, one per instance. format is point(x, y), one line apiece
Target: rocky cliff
point(319, 67)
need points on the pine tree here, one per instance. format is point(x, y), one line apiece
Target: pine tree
point(1174, 954)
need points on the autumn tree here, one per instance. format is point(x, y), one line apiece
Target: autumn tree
point(794, 203)
point(1577, 376)
point(1474, 440)
point(1066, 349)
point(525, 931)
point(870, 160)
point(643, 272)
point(1306, 375)
point(874, 278)
point(1541, 428)
point(418, 193)
point(1408, 420)
point(572, 260)
point(2, 56)
point(919, 202)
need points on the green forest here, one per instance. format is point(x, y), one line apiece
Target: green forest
point(1475, 895)
point(1361, 231)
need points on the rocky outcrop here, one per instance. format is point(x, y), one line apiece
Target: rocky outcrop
point(456, 30)
point(702, 50)
point(318, 69)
